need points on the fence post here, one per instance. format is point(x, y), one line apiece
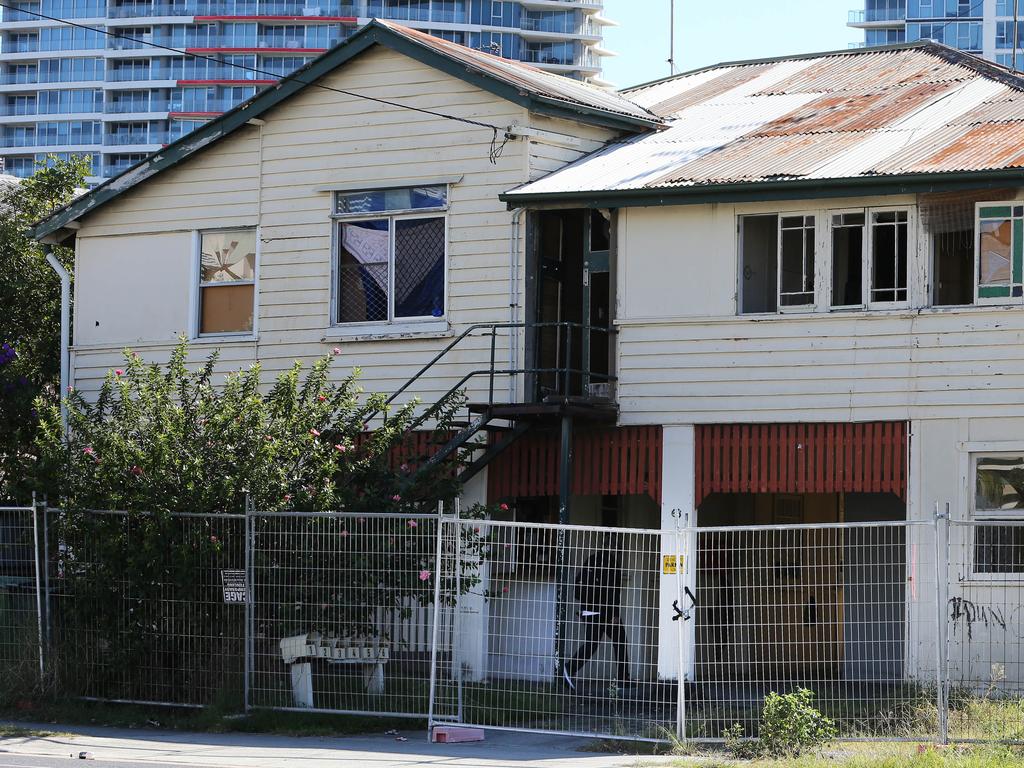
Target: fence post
point(46, 572)
point(436, 619)
point(457, 609)
point(941, 625)
point(250, 595)
point(39, 586)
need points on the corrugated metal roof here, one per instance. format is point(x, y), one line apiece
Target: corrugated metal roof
point(918, 108)
point(535, 81)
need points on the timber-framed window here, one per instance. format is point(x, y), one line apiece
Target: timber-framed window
point(227, 269)
point(999, 253)
point(997, 509)
point(390, 256)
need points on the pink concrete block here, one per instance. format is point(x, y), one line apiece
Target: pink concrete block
point(451, 734)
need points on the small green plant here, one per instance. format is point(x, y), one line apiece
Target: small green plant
point(791, 724)
point(736, 743)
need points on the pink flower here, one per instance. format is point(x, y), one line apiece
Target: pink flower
point(287, 497)
point(268, 438)
point(314, 432)
point(88, 450)
point(361, 520)
point(213, 540)
point(71, 389)
point(321, 398)
point(476, 530)
point(396, 497)
point(413, 524)
point(136, 470)
point(503, 507)
point(336, 351)
point(404, 467)
point(504, 589)
point(424, 575)
point(340, 448)
point(119, 372)
point(344, 533)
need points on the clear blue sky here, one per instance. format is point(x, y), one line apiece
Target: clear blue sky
point(709, 31)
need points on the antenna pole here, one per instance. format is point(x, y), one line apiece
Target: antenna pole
point(672, 37)
point(1016, 35)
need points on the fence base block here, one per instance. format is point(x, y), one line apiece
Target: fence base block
point(449, 734)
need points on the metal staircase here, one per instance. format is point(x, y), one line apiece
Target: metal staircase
point(560, 391)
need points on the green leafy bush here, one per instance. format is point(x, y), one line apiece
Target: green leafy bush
point(790, 724)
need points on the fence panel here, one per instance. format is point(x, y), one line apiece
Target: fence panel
point(559, 631)
point(19, 601)
point(342, 613)
point(138, 610)
point(847, 611)
point(985, 610)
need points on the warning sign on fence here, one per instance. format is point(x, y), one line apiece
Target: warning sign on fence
point(235, 588)
point(669, 564)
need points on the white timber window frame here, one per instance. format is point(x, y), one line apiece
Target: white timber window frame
point(391, 322)
point(992, 283)
point(987, 536)
point(875, 217)
point(201, 286)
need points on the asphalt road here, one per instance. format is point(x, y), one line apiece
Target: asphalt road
point(33, 761)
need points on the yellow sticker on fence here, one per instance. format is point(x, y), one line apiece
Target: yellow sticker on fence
point(669, 564)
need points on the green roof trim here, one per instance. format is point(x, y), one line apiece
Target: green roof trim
point(371, 34)
point(792, 189)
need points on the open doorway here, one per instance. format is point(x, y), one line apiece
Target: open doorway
point(571, 273)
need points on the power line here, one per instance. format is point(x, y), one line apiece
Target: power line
point(495, 153)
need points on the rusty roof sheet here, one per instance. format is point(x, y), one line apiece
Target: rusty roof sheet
point(529, 78)
point(916, 108)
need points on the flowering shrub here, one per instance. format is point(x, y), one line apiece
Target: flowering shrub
point(160, 439)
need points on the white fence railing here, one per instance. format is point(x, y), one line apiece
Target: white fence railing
point(903, 630)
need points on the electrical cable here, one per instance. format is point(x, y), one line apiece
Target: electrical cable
point(495, 148)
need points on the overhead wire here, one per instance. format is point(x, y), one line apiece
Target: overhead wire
point(496, 148)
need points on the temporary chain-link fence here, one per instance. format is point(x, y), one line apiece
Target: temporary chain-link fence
point(903, 630)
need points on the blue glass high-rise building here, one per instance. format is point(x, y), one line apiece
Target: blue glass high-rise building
point(72, 91)
point(983, 27)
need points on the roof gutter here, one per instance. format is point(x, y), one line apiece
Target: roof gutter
point(791, 189)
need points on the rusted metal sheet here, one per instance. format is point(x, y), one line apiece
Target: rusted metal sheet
point(530, 78)
point(620, 461)
point(923, 108)
point(801, 458)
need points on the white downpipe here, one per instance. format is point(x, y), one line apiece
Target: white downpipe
point(65, 332)
point(513, 302)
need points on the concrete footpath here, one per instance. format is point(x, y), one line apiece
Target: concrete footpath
point(152, 748)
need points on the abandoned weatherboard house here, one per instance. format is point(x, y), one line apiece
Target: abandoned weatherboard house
point(759, 304)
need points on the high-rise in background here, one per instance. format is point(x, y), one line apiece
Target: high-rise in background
point(71, 91)
point(984, 27)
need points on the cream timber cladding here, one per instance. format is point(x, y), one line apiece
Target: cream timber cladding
point(279, 176)
point(687, 357)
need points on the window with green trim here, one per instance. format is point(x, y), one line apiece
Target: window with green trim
point(1000, 254)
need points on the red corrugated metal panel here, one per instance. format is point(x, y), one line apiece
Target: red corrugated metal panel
point(801, 458)
point(620, 461)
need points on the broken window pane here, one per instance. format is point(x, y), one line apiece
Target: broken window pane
point(797, 261)
point(758, 264)
point(419, 268)
point(995, 257)
point(889, 256)
point(383, 200)
point(228, 256)
point(363, 272)
point(848, 260)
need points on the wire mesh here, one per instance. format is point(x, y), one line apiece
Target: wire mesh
point(19, 615)
point(985, 613)
point(559, 634)
point(343, 612)
point(138, 610)
point(846, 611)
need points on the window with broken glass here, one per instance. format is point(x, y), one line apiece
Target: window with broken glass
point(998, 510)
point(227, 281)
point(390, 255)
point(777, 263)
point(999, 259)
